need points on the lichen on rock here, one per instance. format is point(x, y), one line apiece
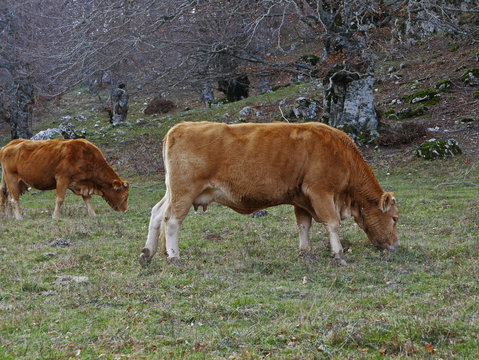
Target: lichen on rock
point(438, 149)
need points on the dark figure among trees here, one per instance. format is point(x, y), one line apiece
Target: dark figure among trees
point(119, 104)
point(234, 89)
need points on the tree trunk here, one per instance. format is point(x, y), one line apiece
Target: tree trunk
point(206, 94)
point(349, 105)
point(17, 111)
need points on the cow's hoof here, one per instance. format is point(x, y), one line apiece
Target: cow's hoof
point(145, 257)
point(339, 260)
point(173, 261)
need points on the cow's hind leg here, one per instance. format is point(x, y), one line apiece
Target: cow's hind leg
point(4, 206)
point(62, 185)
point(151, 245)
point(303, 220)
point(173, 218)
point(12, 192)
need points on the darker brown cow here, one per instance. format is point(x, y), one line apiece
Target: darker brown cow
point(247, 167)
point(59, 164)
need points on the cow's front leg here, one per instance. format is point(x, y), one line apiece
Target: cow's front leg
point(303, 220)
point(87, 200)
point(325, 210)
point(62, 185)
point(336, 247)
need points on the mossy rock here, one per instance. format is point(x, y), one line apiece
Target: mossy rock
point(476, 94)
point(426, 97)
point(411, 112)
point(454, 47)
point(390, 114)
point(471, 77)
point(217, 102)
point(279, 87)
point(444, 85)
point(359, 136)
point(438, 149)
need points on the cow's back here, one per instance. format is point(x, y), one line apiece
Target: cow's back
point(254, 164)
point(39, 163)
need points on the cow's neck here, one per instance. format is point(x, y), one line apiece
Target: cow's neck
point(105, 175)
point(365, 187)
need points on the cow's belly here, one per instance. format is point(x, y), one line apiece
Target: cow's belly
point(242, 203)
point(41, 182)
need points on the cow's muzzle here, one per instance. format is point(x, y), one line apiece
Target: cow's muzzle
point(392, 247)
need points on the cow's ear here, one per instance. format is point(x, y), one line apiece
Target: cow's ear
point(116, 185)
point(387, 200)
point(126, 184)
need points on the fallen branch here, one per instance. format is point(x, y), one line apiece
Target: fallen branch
point(282, 115)
point(456, 183)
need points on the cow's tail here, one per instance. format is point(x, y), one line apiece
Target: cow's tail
point(3, 192)
point(163, 237)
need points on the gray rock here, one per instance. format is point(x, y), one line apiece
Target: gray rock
point(306, 109)
point(260, 213)
point(47, 134)
point(61, 242)
point(248, 113)
point(68, 279)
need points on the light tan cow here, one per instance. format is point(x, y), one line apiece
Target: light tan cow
point(59, 164)
point(314, 167)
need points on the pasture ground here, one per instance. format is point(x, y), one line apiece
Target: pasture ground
point(242, 291)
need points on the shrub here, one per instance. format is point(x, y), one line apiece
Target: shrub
point(404, 134)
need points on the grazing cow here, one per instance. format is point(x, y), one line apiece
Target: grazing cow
point(59, 164)
point(247, 167)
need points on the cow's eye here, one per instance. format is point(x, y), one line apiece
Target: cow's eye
point(395, 219)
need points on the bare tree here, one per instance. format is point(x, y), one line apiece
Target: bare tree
point(58, 44)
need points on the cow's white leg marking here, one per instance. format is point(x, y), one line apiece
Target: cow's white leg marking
point(336, 246)
point(303, 220)
point(172, 229)
point(14, 195)
point(16, 208)
point(151, 245)
point(87, 200)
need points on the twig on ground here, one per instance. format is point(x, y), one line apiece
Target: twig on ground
point(282, 115)
point(456, 183)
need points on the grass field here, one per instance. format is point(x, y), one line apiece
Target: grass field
point(242, 291)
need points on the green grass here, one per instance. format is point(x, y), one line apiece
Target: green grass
point(242, 290)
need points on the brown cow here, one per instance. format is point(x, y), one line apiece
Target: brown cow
point(59, 164)
point(247, 167)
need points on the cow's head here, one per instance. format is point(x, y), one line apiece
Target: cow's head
point(379, 222)
point(116, 195)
